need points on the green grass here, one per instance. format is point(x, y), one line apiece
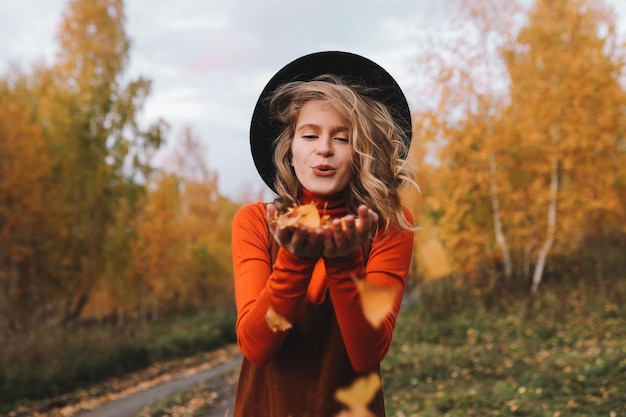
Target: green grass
point(460, 352)
point(562, 353)
point(456, 352)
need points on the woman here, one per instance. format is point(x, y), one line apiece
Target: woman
point(332, 129)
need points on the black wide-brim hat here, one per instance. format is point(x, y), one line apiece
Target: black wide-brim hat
point(354, 69)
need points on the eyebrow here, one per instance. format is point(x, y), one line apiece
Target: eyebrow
point(335, 130)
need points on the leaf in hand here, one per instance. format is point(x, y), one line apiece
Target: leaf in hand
point(377, 301)
point(305, 214)
point(276, 322)
point(358, 395)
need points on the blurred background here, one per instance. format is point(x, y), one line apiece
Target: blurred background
point(124, 154)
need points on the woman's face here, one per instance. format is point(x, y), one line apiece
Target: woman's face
point(321, 150)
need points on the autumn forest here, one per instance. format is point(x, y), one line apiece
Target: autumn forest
point(519, 150)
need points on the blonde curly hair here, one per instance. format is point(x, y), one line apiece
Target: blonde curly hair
point(378, 145)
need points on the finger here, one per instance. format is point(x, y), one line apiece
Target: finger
point(316, 237)
point(343, 233)
point(349, 229)
point(282, 236)
point(270, 214)
point(374, 216)
point(328, 238)
point(368, 224)
point(307, 243)
point(300, 237)
point(364, 220)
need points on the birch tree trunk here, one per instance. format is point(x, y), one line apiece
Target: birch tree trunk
point(526, 263)
point(552, 206)
point(497, 218)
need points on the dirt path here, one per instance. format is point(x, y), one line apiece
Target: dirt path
point(212, 374)
point(223, 389)
point(212, 379)
point(132, 405)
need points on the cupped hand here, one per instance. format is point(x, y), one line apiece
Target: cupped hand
point(346, 235)
point(297, 240)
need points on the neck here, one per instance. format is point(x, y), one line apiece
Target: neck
point(333, 205)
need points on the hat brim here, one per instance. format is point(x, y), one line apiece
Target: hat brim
point(352, 68)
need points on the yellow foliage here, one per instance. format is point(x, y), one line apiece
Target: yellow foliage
point(492, 152)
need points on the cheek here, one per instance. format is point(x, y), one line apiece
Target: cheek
point(348, 166)
point(297, 154)
point(297, 164)
point(293, 153)
point(347, 158)
point(294, 159)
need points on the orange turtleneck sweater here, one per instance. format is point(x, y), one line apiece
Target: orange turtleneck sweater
point(292, 281)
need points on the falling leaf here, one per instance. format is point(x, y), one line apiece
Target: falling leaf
point(377, 301)
point(358, 395)
point(276, 322)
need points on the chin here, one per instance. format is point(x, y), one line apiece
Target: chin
point(322, 191)
point(325, 187)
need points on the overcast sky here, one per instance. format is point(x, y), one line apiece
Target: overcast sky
point(210, 59)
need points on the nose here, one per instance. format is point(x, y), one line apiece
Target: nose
point(325, 146)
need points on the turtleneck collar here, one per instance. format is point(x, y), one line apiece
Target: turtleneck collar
point(333, 205)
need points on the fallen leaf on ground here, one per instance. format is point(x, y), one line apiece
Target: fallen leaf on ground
point(84, 400)
point(276, 322)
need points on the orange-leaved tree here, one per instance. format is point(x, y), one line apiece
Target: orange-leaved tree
point(23, 168)
point(157, 273)
point(467, 91)
point(205, 223)
point(98, 153)
point(566, 114)
point(526, 136)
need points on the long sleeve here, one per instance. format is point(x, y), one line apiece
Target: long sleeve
point(259, 287)
point(387, 266)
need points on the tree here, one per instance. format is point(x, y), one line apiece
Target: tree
point(205, 222)
point(469, 86)
point(98, 152)
point(157, 271)
point(565, 105)
point(533, 165)
point(23, 168)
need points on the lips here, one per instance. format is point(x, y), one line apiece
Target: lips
point(323, 170)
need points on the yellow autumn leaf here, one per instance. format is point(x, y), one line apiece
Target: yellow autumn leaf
point(377, 301)
point(306, 214)
point(276, 322)
point(358, 395)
